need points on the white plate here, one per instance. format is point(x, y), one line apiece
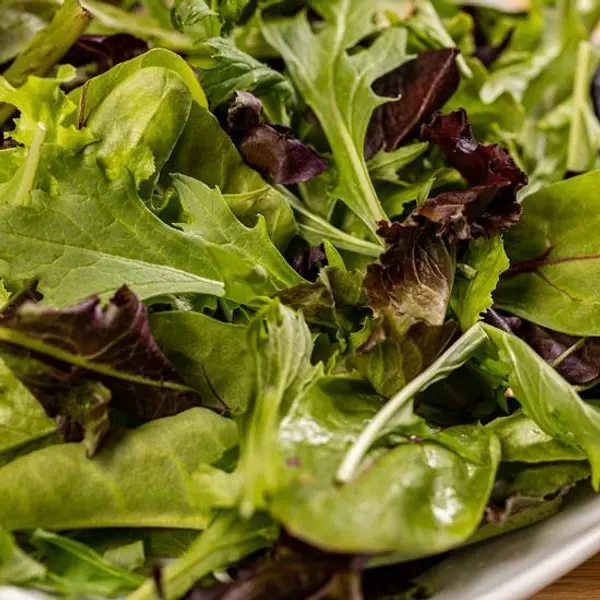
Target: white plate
point(516, 566)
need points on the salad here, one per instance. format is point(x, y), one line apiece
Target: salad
point(296, 297)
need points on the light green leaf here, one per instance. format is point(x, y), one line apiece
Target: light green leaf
point(17, 28)
point(227, 540)
point(548, 399)
point(227, 70)
point(522, 440)
point(139, 123)
point(96, 234)
point(243, 256)
point(77, 570)
point(22, 418)
point(384, 166)
point(555, 258)
point(98, 88)
point(416, 499)
point(337, 86)
point(140, 478)
point(204, 351)
point(141, 25)
point(129, 557)
point(472, 296)
point(206, 152)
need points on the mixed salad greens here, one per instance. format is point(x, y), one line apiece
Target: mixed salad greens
point(296, 296)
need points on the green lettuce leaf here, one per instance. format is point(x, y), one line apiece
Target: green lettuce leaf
point(132, 482)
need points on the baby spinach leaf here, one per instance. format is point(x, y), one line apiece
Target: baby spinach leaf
point(548, 399)
point(22, 419)
point(323, 71)
point(400, 406)
point(472, 295)
point(203, 350)
point(227, 539)
point(140, 478)
point(523, 440)
point(244, 256)
point(390, 506)
point(75, 569)
point(228, 69)
point(554, 259)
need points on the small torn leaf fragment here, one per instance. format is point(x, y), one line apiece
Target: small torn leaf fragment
point(424, 85)
point(104, 50)
point(270, 149)
point(112, 357)
point(306, 260)
point(488, 207)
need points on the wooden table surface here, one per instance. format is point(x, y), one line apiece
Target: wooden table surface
point(581, 584)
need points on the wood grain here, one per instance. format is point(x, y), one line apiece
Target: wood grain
point(581, 584)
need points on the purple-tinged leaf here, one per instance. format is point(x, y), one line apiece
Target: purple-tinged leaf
point(424, 85)
point(488, 207)
point(488, 54)
point(270, 149)
point(78, 359)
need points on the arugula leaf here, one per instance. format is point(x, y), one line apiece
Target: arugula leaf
point(390, 507)
point(323, 71)
point(132, 482)
point(228, 69)
point(245, 257)
point(195, 18)
point(548, 399)
point(554, 259)
point(472, 295)
point(226, 540)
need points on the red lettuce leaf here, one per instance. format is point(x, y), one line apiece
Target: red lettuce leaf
point(488, 53)
point(117, 361)
point(424, 85)
point(488, 207)
point(270, 149)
